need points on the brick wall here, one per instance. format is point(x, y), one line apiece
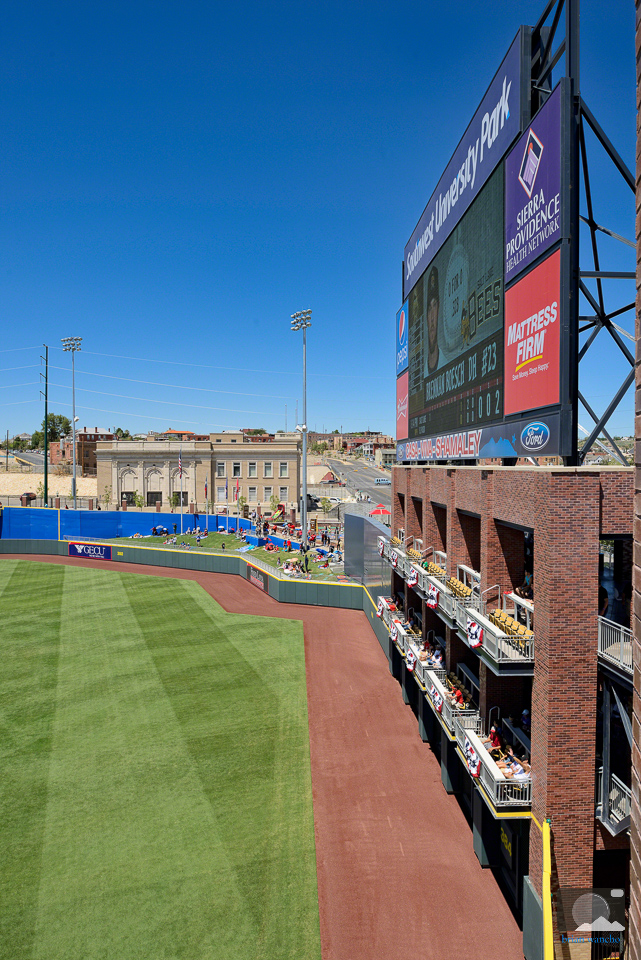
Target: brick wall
point(568, 509)
point(635, 836)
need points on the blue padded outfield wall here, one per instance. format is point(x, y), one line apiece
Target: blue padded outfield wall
point(39, 523)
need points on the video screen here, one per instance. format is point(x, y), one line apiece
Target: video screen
point(455, 334)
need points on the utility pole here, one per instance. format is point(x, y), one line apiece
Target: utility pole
point(71, 345)
point(46, 396)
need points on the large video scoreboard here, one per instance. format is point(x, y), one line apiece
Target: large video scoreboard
point(482, 334)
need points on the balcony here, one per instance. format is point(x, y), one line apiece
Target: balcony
point(436, 693)
point(500, 791)
point(618, 802)
point(502, 645)
point(615, 646)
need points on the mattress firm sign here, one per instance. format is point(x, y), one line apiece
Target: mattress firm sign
point(495, 125)
point(257, 577)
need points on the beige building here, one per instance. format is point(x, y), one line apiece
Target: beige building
point(226, 461)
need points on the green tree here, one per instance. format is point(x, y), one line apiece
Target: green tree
point(255, 433)
point(326, 505)
point(106, 497)
point(122, 434)
point(37, 440)
point(273, 502)
point(139, 500)
point(242, 503)
point(174, 499)
point(57, 426)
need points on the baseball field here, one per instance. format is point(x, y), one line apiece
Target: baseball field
point(155, 799)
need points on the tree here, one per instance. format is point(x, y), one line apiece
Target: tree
point(255, 433)
point(174, 499)
point(37, 440)
point(122, 434)
point(106, 497)
point(326, 505)
point(57, 426)
point(242, 503)
point(139, 500)
point(274, 502)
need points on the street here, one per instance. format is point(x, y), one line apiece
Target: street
point(360, 475)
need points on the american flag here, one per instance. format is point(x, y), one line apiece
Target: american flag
point(206, 479)
point(180, 463)
point(237, 488)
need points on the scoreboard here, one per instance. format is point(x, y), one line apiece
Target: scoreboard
point(456, 312)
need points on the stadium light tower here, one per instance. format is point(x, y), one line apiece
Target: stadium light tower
point(301, 321)
point(72, 345)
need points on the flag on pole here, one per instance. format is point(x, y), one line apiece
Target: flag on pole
point(237, 488)
point(226, 489)
point(180, 463)
point(206, 479)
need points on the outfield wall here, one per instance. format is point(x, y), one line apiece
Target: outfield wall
point(40, 523)
point(309, 592)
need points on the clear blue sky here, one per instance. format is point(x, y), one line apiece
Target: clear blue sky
point(178, 178)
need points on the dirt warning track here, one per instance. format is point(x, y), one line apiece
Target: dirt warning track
point(397, 875)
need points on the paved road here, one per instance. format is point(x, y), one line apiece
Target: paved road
point(359, 475)
point(30, 457)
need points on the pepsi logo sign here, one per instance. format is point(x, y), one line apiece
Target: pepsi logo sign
point(535, 436)
point(402, 327)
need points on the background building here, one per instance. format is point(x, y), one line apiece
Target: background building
point(230, 464)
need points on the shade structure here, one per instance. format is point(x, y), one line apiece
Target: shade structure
point(380, 511)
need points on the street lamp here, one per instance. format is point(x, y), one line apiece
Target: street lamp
point(72, 345)
point(301, 321)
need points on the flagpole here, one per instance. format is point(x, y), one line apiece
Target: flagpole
point(180, 471)
point(227, 505)
point(206, 505)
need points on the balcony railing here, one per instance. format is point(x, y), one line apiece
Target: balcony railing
point(500, 646)
point(620, 797)
point(615, 644)
point(435, 677)
point(503, 792)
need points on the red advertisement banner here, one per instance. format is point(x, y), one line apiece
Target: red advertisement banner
point(532, 339)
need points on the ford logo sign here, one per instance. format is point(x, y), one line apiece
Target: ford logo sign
point(535, 436)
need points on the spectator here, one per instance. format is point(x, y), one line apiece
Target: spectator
point(525, 722)
point(604, 601)
point(526, 590)
point(493, 741)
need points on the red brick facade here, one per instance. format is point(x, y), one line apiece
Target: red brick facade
point(485, 512)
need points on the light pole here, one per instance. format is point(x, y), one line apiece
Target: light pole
point(301, 321)
point(72, 345)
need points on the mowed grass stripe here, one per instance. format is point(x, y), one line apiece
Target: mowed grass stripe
point(30, 610)
point(243, 711)
point(132, 864)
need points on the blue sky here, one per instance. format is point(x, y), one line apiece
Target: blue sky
point(177, 179)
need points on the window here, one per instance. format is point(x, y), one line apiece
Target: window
point(153, 499)
point(268, 493)
point(218, 441)
point(235, 469)
point(129, 497)
point(269, 469)
point(220, 494)
point(251, 494)
point(220, 469)
point(283, 494)
point(282, 469)
point(253, 472)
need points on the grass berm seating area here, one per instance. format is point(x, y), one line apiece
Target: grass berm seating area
point(156, 789)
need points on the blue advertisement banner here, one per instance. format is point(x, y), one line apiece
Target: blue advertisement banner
point(528, 437)
point(402, 318)
point(533, 199)
point(492, 130)
point(90, 551)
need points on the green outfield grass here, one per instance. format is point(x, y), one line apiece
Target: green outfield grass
point(155, 790)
